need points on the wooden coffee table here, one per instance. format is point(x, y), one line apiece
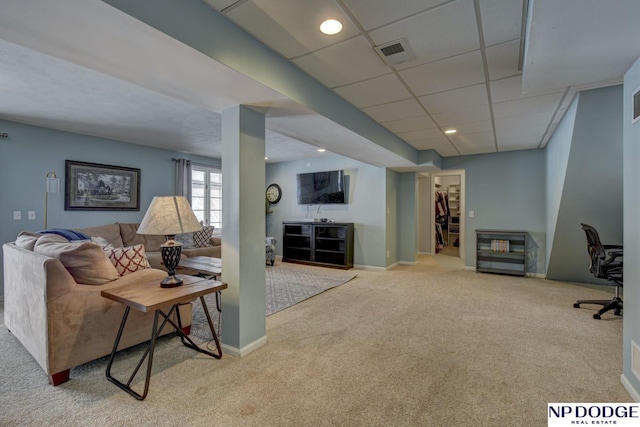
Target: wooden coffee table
point(149, 296)
point(202, 266)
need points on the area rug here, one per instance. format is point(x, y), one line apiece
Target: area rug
point(287, 286)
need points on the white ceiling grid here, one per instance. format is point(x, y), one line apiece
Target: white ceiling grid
point(449, 84)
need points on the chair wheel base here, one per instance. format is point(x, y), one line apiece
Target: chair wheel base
point(576, 305)
point(597, 316)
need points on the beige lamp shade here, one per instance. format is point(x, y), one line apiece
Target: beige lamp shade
point(168, 216)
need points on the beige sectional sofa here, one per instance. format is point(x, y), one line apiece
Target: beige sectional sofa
point(52, 301)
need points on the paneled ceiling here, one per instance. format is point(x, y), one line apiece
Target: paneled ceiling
point(465, 73)
point(85, 67)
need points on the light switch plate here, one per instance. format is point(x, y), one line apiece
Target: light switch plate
point(17, 215)
point(31, 215)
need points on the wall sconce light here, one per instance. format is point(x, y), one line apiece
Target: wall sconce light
point(53, 186)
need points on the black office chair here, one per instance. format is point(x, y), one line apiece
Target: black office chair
point(606, 263)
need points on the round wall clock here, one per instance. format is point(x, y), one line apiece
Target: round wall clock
point(274, 193)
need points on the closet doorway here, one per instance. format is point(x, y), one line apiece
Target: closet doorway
point(447, 214)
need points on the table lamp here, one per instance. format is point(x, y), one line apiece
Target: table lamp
point(168, 216)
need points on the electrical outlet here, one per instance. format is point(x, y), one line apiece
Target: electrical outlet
point(472, 214)
point(31, 215)
point(17, 215)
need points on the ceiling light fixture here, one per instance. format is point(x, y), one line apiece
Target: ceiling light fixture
point(331, 27)
point(321, 150)
point(450, 131)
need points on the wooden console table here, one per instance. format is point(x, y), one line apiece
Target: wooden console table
point(149, 296)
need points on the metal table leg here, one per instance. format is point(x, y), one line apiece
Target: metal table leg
point(155, 332)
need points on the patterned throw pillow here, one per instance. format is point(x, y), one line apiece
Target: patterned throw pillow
point(186, 239)
point(202, 238)
point(129, 259)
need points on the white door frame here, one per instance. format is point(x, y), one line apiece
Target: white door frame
point(432, 220)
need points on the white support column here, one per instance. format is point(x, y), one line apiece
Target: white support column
point(243, 230)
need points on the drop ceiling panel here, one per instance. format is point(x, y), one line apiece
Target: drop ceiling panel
point(464, 115)
point(292, 27)
point(510, 89)
point(437, 34)
point(570, 44)
point(527, 106)
point(500, 20)
point(375, 13)
point(478, 143)
point(502, 60)
point(421, 135)
point(475, 127)
point(451, 73)
point(524, 124)
point(395, 110)
point(514, 135)
point(344, 63)
point(471, 96)
point(376, 91)
point(411, 124)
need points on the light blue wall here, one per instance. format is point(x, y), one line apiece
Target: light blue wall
point(407, 217)
point(506, 191)
point(366, 207)
point(631, 144)
point(30, 152)
point(557, 157)
point(592, 190)
point(392, 179)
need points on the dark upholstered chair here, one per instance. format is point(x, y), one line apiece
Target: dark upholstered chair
point(606, 263)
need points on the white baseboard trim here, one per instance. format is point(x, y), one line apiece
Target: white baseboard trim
point(538, 275)
point(241, 352)
point(368, 267)
point(632, 391)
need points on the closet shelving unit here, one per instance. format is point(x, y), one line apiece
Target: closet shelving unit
point(453, 222)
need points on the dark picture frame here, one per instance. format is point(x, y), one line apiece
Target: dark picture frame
point(97, 187)
point(635, 106)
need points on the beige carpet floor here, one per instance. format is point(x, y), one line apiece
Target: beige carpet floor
point(424, 345)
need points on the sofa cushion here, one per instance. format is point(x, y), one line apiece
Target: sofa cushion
point(27, 240)
point(202, 238)
point(110, 232)
point(86, 261)
point(128, 259)
point(130, 237)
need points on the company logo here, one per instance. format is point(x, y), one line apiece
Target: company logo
point(593, 414)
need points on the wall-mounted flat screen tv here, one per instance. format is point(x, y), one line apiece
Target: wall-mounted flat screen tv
point(320, 188)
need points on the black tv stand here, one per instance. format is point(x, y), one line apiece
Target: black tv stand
point(327, 244)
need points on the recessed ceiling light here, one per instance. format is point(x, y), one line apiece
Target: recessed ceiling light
point(321, 150)
point(331, 27)
point(450, 131)
point(266, 158)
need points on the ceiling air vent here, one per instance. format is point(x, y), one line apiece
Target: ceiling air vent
point(395, 52)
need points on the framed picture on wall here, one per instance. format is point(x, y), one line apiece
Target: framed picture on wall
point(96, 187)
point(635, 107)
